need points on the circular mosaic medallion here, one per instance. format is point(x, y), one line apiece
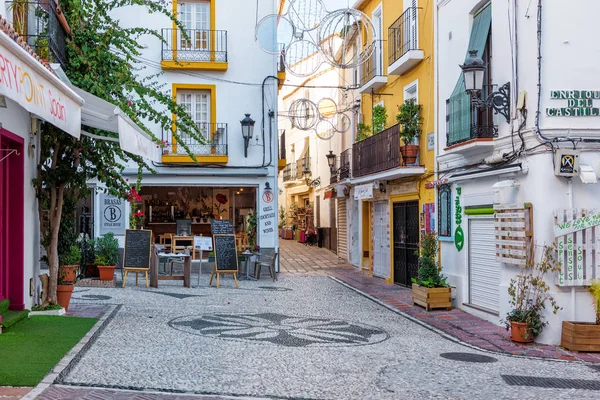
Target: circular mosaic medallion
point(279, 329)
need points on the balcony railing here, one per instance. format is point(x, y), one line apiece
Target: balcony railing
point(376, 153)
point(303, 164)
point(373, 66)
point(345, 158)
point(289, 172)
point(402, 35)
point(200, 45)
point(465, 122)
point(37, 23)
point(216, 137)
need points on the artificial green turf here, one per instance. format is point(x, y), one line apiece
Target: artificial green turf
point(30, 349)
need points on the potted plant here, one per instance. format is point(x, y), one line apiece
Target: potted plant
point(584, 336)
point(529, 293)
point(362, 132)
point(107, 255)
point(379, 118)
point(64, 288)
point(409, 117)
point(69, 263)
point(430, 289)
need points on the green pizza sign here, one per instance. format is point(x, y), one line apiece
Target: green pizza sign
point(459, 234)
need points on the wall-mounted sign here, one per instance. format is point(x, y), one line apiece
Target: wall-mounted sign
point(579, 103)
point(112, 214)
point(431, 141)
point(431, 185)
point(566, 162)
point(32, 89)
point(459, 234)
point(363, 191)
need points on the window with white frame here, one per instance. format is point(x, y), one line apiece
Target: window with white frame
point(195, 17)
point(197, 105)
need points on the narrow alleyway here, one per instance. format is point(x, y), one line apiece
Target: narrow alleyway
point(298, 258)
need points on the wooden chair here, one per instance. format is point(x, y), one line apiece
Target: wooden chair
point(268, 262)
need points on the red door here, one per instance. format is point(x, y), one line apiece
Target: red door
point(12, 219)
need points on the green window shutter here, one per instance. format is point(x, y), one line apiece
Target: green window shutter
point(458, 108)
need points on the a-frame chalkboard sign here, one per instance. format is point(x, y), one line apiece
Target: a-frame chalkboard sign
point(136, 256)
point(226, 261)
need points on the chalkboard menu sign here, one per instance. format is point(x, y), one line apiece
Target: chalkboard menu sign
point(184, 227)
point(137, 248)
point(225, 253)
point(221, 227)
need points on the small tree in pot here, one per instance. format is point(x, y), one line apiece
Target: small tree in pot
point(107, 255)
point(430, 289)
point(529, 293)
point(409, 117)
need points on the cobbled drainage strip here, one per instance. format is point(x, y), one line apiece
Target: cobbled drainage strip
point(551, 383)
point(468, 357)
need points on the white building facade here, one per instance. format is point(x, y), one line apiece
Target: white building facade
point(547, 53)
point(220, 75)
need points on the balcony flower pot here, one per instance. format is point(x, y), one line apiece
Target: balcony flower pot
point(432, 298)
point(520, 332)
point(63, 295)
point(409, 153)
point(107, 272)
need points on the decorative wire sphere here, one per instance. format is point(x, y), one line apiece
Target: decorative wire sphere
point(346, 38)
point(302, 58)
point(341, 122)
point(304, 114)
point(263, 34)
point(306, 15)
point(324, 130)
point(327, 107)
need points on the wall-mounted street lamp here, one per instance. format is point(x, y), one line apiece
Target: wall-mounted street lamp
point(331, 162)
point(307, 174)
point(247, 132)
point(473, 74)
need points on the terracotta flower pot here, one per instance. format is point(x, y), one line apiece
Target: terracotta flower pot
point(107, 272)
point(70, 273)
point(409, 153)
point(63, 295)
point(520, 332)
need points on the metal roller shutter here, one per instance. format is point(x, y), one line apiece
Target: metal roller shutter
point(484, 271)
point(342, 229)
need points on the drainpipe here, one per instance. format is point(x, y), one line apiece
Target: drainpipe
point(570, 207)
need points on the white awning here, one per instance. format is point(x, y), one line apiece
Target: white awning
point(101, 114)
point(27, 82)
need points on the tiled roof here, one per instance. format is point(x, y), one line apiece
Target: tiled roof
point(10, 31)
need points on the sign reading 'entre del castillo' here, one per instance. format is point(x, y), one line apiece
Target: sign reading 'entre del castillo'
point(580, 103)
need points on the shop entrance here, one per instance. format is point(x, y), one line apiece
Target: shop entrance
point(406, 241)
point(11, 219)
point(188, 210)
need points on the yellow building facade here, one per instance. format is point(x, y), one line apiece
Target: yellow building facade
point(399, 204)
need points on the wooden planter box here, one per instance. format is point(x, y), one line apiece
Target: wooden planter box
point(431, 298)
point(580, 336)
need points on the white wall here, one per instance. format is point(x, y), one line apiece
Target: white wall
point(570, 62)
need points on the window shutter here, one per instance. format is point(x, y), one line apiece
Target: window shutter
point(458, 110)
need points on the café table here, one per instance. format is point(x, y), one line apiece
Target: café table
point(247, 255)
point(187, 268)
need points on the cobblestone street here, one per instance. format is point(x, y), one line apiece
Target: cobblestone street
point(301, 337)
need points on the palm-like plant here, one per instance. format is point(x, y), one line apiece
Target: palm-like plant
point(594, 290)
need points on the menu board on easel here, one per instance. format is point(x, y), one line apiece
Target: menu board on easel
point(137, 248)
point(226, 261)
point(221, 227)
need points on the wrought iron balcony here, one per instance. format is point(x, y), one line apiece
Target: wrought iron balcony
point(465, 122)
point(216, 141)
point(377, 153)
point(371, 71)
point(196, 45)
point(37, 23)
point(403, 51)
point(289, 172)
point(282, 144)
point(280, 63)
point(303, 164)
point(345, 159)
